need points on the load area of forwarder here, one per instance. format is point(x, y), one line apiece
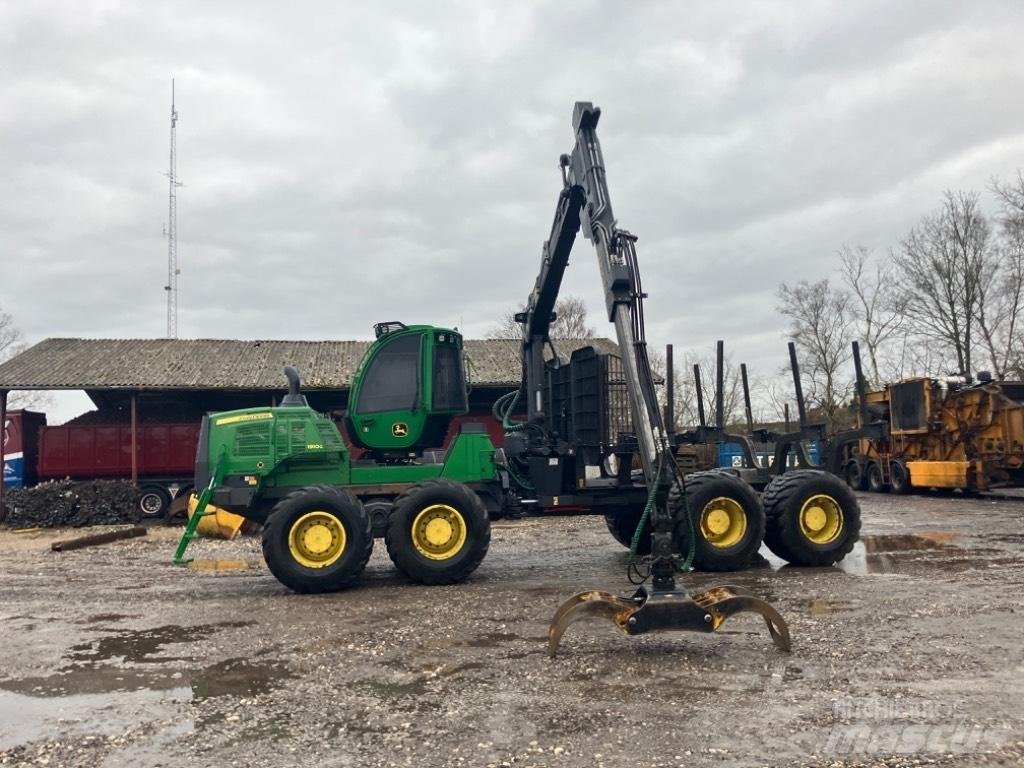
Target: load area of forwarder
point(289, 467)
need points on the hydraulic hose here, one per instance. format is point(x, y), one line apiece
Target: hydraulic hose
point(691, 549)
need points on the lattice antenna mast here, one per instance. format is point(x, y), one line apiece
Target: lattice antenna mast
point(171, 231)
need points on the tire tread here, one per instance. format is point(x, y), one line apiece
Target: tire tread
point(782, 534)
point(467, 566)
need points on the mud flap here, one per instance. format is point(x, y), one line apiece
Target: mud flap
point(673, 610)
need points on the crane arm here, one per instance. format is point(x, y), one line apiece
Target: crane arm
point(584, 203)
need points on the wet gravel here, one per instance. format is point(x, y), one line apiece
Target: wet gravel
point(910, 653)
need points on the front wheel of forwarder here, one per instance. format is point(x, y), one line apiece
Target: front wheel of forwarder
point(812, 517)
point(317, 539)
point(727, 519)
point(438, 532)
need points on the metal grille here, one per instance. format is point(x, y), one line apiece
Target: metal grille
point(291, 437)
point(619, 418)
point(588, 402)
point(298, 436)
point(252, 439)
point(329, 436)
point(908, 406)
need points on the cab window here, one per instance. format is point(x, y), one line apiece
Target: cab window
point(391, 383)
point(449, 385)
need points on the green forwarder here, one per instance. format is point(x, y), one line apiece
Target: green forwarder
point(288, 469)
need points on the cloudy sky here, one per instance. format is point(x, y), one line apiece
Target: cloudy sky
point(345, 163)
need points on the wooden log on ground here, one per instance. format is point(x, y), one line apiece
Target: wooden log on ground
point(99, 538)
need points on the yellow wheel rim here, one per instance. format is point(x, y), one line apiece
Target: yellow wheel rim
point(821, 519)
point(317, 539)
point(439, 532)
point(723, 522)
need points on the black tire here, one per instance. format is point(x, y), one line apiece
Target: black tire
point(900, 477)
point(337, 507)
point(438, 566)
point(875, 482)
point(784, 501)
point(743, 516)
point(855, 475)
point(153, 501)
point(622, 525)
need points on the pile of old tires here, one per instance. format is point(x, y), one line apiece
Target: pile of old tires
point(68, 503)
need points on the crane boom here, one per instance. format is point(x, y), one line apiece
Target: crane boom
point(584, 203)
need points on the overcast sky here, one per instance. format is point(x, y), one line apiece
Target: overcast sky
point(347, 163)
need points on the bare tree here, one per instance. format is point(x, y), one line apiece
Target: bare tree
point(11, 343)
point(942, 265)
point(820, 324)
point(732, 386)
point(685, 391)
point(874, 303)
point(10, 336)
point(1001, 301)
point(570, 322)
point(777, 394)
point(685, 407)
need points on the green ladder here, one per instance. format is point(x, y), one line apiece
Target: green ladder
point(201, 512)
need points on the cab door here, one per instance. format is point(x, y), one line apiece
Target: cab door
point(388, 413)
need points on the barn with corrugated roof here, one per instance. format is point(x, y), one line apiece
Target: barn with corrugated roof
point(137, 385)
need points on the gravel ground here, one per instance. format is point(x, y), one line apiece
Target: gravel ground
point(909, 653)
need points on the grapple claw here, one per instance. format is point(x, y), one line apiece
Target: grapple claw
point(666, 611)
point(586, 605)
point(725, 601)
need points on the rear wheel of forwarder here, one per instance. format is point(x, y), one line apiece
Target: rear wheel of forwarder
point(812, 517)
point(317, 539)
point(153, 501)
point(622, 525)
point(856, 475)
point(876, 484)
point(726, 517)
point(438, 532)
point(900, 476)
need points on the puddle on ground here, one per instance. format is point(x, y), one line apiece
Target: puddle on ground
point(905, 553)
point(490, 640)
point(218, 565)
point(819, 606)
point(103, 618)
point(116, 682)
point(909, 542)
point(25, 718)
point(140, 646)
point(487, 640)
point(914, 552)
point(239, 677)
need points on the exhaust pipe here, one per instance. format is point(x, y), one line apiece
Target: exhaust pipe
point(294, 396)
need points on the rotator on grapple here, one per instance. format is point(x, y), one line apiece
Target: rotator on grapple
point(584, 202)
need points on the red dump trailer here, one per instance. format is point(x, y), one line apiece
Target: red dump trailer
point(165, 455)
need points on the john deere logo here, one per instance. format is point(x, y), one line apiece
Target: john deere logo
point(399, 429)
